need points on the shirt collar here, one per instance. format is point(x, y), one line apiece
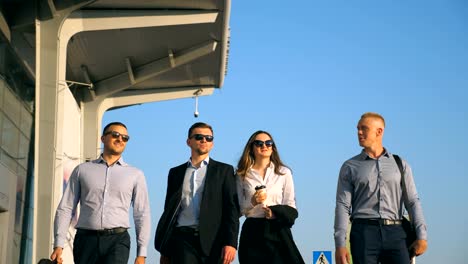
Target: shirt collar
point(270, 166)
point(120, 161)
point(205, 162)
point(365, 156)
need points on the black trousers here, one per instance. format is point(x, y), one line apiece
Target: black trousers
point(372, 244)
point(90, 248)
point(254, 248)
point(186, 249)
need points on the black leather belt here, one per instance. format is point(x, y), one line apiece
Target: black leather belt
point(103, 232)
point(187, 230)
point(385, 222)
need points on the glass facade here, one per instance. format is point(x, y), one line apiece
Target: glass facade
point(17, 145)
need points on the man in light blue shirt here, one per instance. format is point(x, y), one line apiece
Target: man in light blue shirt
point(200, 222)
point(192, 191)
point(370, 193)
point(105, 188)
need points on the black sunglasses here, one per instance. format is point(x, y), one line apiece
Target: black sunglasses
point(259, 143)
point(116, 134)
point(200, 137)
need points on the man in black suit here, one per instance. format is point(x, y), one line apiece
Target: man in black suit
point(200, 222)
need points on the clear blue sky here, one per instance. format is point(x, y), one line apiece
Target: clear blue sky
point(306, 71)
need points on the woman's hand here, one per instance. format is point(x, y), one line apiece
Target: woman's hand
point(268, 213)
point(258, 197)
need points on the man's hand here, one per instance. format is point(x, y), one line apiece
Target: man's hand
point(342, 256)
point(418, 247)
point(57, 255)
point(228, 255)
point(164, 260)
point(140, 260)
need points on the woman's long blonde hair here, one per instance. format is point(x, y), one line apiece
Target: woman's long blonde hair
point(248, 159)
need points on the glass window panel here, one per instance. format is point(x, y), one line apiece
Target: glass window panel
point(2, 88)
point(23, 151)
point(10, 138)
point(21, 184)
point(1, 126)
point(26, 122)
point(11, 106)
point(19, 216)
point(16, 248)
point(8, 161)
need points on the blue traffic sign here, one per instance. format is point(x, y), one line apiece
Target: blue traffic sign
point(322, 257)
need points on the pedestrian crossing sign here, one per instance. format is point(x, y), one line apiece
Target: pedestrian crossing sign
point(322, 257)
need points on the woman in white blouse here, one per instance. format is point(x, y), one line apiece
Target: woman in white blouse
point(266, 236)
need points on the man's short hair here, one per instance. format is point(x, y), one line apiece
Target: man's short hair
point(373, 115)
point(113, 124)
point(199, 125)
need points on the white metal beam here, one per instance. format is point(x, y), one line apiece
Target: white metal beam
point(48, 172)
point(121, 81)
point(93, 111)
point(4, 28)
point(87, 20)
point(153, 95)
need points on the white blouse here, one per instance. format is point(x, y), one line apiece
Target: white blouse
point(279, 188)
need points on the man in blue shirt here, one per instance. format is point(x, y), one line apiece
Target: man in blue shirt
point(105, 188)
point(370, 193)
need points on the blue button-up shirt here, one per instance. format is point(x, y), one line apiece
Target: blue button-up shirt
point(371, 188)
point(192, 193)
point(105, 194)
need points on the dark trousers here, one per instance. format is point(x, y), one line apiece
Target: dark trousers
point(255, 248)
point(186, 248)
point(372, 244)
point(90, 248)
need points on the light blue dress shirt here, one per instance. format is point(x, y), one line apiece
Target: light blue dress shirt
point(371, 188)
point(192, 193)
point(105, 194)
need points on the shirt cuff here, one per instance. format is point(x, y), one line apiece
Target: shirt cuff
point(421, 233)
point(59, 243)
point(142, 251)
point(340, 244)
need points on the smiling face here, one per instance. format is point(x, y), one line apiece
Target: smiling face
point(262, 149)
point(370, 132)
point(114, 145)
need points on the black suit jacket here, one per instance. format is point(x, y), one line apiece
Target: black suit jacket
point(219, 209)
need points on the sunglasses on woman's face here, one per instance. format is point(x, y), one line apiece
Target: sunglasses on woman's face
point(116, 134)
point(259, 143)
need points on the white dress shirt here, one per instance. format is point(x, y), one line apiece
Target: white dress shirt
point(279, 188)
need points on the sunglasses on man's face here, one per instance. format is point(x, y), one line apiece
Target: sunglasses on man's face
point(200, 137)
point(259, 143)
point(116, 134)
